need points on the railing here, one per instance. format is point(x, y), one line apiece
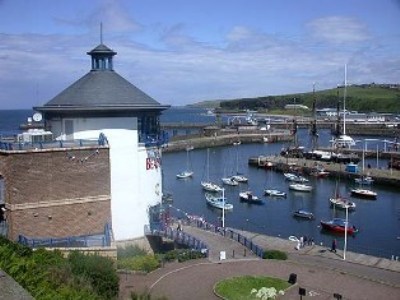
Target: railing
point(154, 140)
point(9, 146)
point(233, 235)
point(100, 240)
point(179, 237)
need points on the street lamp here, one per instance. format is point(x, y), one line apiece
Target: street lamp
point(345, 232)
point(223, 208)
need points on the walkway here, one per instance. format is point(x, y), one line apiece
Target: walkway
point(319, 271)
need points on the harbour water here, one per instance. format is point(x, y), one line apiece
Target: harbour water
point(378, 220)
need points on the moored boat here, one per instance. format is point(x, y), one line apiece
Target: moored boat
point(364, 193)
point(184, 174)
point(240, 178)
point(365, 180)
point(229, 181)
point(300, 187)
point(248, 196)
point(274, 193)
point(218, 202)
point(342, 203)
point(302, 213)
point(211, 187)
point(338, 225)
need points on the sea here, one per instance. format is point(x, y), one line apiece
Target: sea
point(378, 220)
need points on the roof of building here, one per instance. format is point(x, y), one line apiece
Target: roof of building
point(102, 89)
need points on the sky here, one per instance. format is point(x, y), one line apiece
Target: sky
point(184, 51)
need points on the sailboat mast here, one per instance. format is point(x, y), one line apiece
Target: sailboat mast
point(314, 122)
point(344, 99)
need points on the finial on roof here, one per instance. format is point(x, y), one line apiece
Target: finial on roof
point(101, 32)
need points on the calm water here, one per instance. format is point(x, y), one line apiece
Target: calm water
point(379, 221)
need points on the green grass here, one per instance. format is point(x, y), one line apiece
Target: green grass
point(240, 287)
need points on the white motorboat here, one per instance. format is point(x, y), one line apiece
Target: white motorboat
point(302, 213)
point(364, 193)
point(184, 174)
point(367, 180)
point(300, 187)
point(229, 181)
point(218, 202)
point(274, 193)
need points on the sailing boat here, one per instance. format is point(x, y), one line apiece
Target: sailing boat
point(340, 202)
point(229, 180)
point(342, 140)
point(274, 192)
point(207, 184)
point(188, 172)
point(238, 177)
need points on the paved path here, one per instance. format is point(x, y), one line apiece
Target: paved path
point(319, 271)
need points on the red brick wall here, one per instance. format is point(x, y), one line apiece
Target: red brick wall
point(57, 193)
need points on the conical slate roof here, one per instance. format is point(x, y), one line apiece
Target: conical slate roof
point(102, 89)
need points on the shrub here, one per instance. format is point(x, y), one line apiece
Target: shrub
point(275, 254)
point(146, 263)
point(130, 251)
point(98, 270)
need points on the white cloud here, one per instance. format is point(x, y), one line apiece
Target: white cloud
point(338, 30)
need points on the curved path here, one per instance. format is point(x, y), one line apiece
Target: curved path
point(319, 271)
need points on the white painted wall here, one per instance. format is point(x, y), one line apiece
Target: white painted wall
point(133, 187)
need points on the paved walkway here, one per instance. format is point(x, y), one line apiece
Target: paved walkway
point(319, 271)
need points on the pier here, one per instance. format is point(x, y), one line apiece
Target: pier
point(305, 166)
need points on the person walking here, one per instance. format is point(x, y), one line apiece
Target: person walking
point(333, 248)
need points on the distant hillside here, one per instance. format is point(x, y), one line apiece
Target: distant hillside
point(361, 98)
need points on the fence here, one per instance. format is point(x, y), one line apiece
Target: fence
point(99, 240)
point(179, 237)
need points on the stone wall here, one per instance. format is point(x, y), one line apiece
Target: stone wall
point(56, 192)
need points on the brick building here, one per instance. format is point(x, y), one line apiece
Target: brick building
point(101, 169)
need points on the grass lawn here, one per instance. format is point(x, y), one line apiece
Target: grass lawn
point(241, 287)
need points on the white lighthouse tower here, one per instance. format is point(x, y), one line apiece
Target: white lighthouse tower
point(104, 105)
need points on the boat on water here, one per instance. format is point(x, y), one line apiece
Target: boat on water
point(248, 196)
point(302, 213)
point(342, 203)
point(188, 172)
point(184, 174)
point(218, 202)
point(364, 193)
point(206, 184)
point(338, 225)
point(240, 178)
point(364, 180)
point(274, 193)
point(229, 181)
point(300, 187)
point(295, 178)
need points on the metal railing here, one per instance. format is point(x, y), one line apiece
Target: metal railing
point(179, 237)
point(98, 240)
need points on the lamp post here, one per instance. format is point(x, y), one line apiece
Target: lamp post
point(345, 232)
point(223, 208)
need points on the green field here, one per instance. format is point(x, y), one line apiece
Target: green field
point(362, 98)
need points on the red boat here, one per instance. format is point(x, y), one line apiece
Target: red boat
point(338, 225)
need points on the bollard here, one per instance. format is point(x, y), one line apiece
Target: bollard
point(233, 253)
point(244, 252)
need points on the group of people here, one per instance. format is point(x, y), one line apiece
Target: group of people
point(305, 241)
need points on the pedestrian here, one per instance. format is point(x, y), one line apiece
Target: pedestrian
point(333, 248)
